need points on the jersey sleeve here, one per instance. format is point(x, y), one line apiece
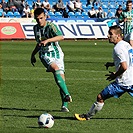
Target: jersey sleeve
point(120, 54)
point(55, 30)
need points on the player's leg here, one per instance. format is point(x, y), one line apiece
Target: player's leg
point(96, 107)
point(112, 90)
point(64, 107)
point(58, 75)
point(56, 66)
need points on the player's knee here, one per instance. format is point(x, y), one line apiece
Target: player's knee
point(99, 98)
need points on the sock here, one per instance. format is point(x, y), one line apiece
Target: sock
point(97, 106)
point(60, 82)
point(62, 98)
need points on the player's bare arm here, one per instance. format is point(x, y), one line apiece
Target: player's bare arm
point(33, 59)
point(54, 39)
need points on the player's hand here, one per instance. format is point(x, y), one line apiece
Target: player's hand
point(43, 43)
point(107, 65)
point(111, 76)
point(33, 60)
point(125, 19)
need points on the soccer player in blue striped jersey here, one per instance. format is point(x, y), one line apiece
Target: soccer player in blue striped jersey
point(51, 55)
point(127, 17)
point(123, 76)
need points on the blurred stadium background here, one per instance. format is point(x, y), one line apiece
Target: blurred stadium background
point(109, 6)
point(87, 27)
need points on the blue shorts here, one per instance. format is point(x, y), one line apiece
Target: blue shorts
point(114, 90)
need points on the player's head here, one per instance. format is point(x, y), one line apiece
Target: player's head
point(129, 5)
point(115, 34)
point(40, 15)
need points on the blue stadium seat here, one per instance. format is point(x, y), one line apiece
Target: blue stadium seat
point(96, 6)
point(10, 14)
point(113, 9)
point(85, 15)
point(112, 2)
point(105, 10)
point(104, 6)
point(30, 3)
point(51, 14)
point(84, 2)
point(78, 15)
point(105, 3)
point(111, 6)
point(86, 8)
point(83, 6)
point(17, 15)
point(71, 15)
point(111, 15)
point(124, 6)
point(89, 7)
point(1, 13)
point(58, 15)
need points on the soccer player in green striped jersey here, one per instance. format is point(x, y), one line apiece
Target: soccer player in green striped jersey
point(127, 17)
point(51, 55)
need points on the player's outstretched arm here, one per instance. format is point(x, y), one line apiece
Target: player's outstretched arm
point(111, 76)
point(53, 39)
point(121, 70)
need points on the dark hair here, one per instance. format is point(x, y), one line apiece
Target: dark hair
point(117, 29)
point(38, 11)
point(128, 2)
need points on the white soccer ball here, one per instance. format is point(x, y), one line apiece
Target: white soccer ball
point(46, 120)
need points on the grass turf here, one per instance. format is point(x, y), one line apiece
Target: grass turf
point(26, 92)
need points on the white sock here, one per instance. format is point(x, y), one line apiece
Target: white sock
point(97, 106)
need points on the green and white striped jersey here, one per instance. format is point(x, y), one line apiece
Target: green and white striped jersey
point(52, 49)
point(128, 25)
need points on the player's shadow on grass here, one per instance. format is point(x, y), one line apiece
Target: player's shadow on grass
point(67, 117)
point(113, 118)
point(19, 109)
point(64, 117)
point(55, 117)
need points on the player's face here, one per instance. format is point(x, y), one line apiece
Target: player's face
point(112, 37)
point(129, 6)
point(41, 19)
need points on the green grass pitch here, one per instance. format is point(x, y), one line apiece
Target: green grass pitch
point(26, 91)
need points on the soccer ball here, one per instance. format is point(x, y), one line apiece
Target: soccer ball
point(46, 120)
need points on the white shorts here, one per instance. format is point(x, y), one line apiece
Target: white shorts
point(47, 61)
